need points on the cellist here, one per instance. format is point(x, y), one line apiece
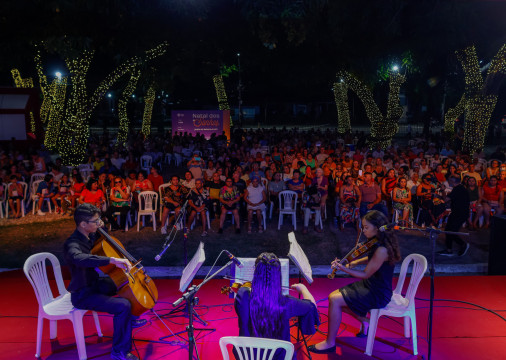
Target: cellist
point(90, 292)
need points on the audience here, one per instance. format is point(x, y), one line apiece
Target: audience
point(350, 179)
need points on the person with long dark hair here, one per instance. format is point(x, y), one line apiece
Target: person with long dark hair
point(373, 291)
point(263, 311)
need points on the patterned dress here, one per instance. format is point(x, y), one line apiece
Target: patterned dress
point(349, 212)
point(403, 194)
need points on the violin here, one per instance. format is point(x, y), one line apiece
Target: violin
point(358, 250)
point(234, 288)
point(134, 285)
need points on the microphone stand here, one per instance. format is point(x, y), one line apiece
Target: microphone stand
point(191, 300)
point(173, 232)
point(433, 234)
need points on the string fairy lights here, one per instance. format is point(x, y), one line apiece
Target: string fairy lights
point(343, 113)
point(149, 100)
point(383, 128)
point(122, 107)
point(72, 136)
point(452, 115)
point(19, 82)
point(220, 92)
point(479, 99)
point(57, 94)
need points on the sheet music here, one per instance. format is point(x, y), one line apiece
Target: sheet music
point(246, 272)
point(191, 269)
point(299, 258)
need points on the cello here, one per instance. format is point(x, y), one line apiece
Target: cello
point(134, 285)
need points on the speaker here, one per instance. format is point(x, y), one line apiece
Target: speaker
point(497, 251)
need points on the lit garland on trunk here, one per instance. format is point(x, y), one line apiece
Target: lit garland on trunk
point(480, 97)
point(383, 128)
point(149, 100)
point(74, 131)
point(19, 82)
point(343, 112)
point(221, 93)
point(122, 107)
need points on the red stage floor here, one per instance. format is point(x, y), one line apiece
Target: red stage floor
point(460, 331)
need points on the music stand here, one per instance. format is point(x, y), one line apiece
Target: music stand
point(299, 258)
point(248, 269)
point(187, 277)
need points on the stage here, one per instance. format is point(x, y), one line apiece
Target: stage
point(460, 331)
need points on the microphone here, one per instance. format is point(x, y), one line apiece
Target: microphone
point(159, 256)
point(234, 259)
point(391, 226)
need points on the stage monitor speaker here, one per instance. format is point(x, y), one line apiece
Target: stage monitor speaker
point(497, 251)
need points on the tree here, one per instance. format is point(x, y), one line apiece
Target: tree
point(383, 127)
point(479, 98)
point(73, 134)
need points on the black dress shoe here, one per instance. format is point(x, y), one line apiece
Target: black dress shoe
point(138, 323)
point(329, 350)
point(123, 356)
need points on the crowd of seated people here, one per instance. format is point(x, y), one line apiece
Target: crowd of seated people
point(334, 178)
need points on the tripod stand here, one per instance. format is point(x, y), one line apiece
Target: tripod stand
point(191, 300)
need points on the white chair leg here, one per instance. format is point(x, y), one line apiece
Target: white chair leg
point(371, 334)
point(79, 334)
point(414, 334)
point(138, 221)
point(40, 327)
point(153, 218)
point(264, 215)
point(280, 220)
point(97, 324)
point(53, 329)
point(294, 221)
point(407, 324)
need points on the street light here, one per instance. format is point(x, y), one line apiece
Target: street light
point(395, 68)
point(239, 88)
point(109, 95)
point(58, 75)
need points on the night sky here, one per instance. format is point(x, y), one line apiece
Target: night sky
point(290, 50)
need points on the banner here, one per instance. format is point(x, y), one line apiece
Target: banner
point(203, 122)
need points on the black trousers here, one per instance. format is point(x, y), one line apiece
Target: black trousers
point(99, 298)
point(454, 223)
point(123, 210)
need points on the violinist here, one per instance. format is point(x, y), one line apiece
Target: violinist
point(263, 311)
point(90, 292)
point(373, 291)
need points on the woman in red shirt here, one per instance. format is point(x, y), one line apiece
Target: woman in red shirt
point(76, 189)
point(491, 197)
point(155, 178)
point(92, 194)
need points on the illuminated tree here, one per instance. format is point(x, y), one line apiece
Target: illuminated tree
point(73, 133)
point(479, 98)
point(383, 127)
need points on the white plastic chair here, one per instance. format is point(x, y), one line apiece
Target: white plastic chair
point(401, 306)
point(313, 212)
point(35, 198)
point(52, 308)
point(146, 162)
point(246, 347)
point(288, 206)
point(25, 189)
point(148, 203)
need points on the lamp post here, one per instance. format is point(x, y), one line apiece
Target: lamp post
point(239, 89)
